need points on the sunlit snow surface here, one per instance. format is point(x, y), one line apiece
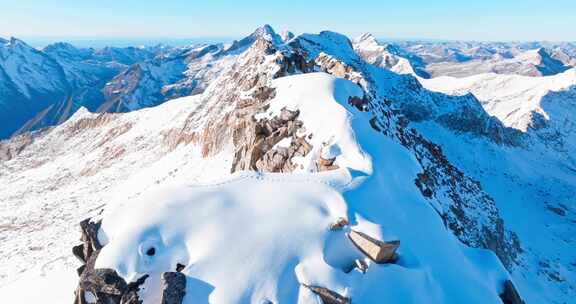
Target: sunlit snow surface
point(255, 237)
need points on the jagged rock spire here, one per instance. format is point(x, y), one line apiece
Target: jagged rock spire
point(265, 32)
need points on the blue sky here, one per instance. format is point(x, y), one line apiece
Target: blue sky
point(552, 20)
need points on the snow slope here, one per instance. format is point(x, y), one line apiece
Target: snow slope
point(534, 63)
point(371, 167)
point(537, 178)
point(257, 237)
point(539, 106)
point(400, 172)
point(511, 98)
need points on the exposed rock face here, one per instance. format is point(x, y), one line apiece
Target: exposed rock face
point(100, 286)
point(466, 209)
point(257, 140)
point(11, 148)
point(326, 164)
point(470, 213)
point(173, 287)
point(510, 295)
point(328, 296)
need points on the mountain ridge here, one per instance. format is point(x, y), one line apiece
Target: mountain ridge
point(256, 115)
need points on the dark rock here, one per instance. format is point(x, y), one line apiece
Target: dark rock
point(89, 232)
point(328, 296)
point(510, 295)
point(359, 264)
point(173, 287)
point(104, 286)
point(339, 224)
point(557, 210)
point(130, 296)
point(78, 252)
point(80, 270)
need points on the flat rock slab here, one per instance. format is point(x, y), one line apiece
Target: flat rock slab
point(377, 250)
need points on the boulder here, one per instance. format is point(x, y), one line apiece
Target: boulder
point(326, 164)
point(100, 286)
point(339, 224)
point(377, 250)
point(510, 294)
point(328, 296)
point(173, 287)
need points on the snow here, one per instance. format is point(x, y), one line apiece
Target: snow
point(247, 237)
point(508, 97)
point(315, 95)
point(53, 286)
point(254, 237)
point(528, 181)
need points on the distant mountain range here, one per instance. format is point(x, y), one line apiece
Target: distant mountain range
point(42, 88)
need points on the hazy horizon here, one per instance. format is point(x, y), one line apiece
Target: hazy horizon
point(102, 41)
point(443, 20)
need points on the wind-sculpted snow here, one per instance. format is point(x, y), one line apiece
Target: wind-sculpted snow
point(256, 238)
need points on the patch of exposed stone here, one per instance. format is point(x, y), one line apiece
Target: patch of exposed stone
point(120, 89)
point(88, 123)
point(114, 133)
point(101, 286)
point(105, 286)
point(378, 251)
point(468, 211)
point(255, 143)
point(10, 148)
point(326, 164)
point(172, 138)
point(244, 91)
point(328, 296)
point(510, 294)
point(173, 287)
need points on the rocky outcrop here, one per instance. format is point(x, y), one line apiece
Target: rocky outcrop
point(510, 295)
point(328, 296)
point(173, 287)
point(467, 210)
point(11, 148)
point(256, 143)
point(377, 250)
point(100, 286)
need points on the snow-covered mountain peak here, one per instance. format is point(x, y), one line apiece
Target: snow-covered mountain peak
point(265, 32)
point(336, 141)
point(366, 40)
point(286, 36)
